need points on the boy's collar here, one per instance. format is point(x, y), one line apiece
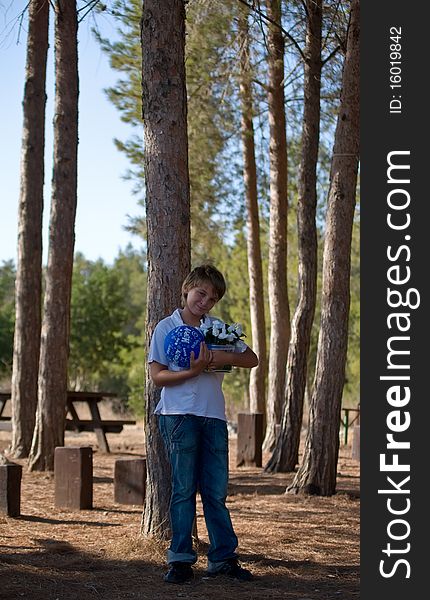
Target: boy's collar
point(178, 320)
point(177, 317)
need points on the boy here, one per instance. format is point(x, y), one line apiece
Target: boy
point(193, 424)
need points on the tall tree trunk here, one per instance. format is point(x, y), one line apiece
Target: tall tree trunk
point(257, 383)
point(286, 453)
point(167, 213)
point(317, 474)
point(28, 287)
point(278, 292)
point(51, 408)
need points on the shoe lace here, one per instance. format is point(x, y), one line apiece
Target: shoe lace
point(233, 564)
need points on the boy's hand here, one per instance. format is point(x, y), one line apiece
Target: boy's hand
point(219, 359)
point(197, 365)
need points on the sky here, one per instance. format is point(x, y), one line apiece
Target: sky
point(104, 197)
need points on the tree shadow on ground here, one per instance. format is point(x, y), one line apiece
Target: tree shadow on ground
point(102, 479)
point(58, 570)
point(118, 511)
point(352, 494)
point(55, 569)
point(38, 519)
point(257, 483)
point(267, 484)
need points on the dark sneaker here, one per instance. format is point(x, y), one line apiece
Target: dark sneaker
point(179, 572)
point(232, 568)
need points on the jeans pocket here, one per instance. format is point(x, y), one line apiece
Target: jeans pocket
point(173, 425)
point(220, 437)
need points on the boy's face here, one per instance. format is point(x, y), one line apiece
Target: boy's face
point(201, 299)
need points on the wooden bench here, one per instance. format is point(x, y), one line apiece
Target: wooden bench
point(114, 426)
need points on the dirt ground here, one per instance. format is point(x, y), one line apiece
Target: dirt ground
point(298, 548)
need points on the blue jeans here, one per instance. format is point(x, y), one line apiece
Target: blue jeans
point(198, 454)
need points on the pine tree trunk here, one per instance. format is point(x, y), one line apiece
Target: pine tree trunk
point(257, 383)
point(167, 213)
point(286, 453)
point(28, 287)
point(51, 409)
point(278, 293)
point(317, 474)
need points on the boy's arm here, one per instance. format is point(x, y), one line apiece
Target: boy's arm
point(162, 377)
point(246, 360)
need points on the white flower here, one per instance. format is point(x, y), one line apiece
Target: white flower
point(218, 333)
point(237, 329)
point(205, 322)
point(215, 330)
point(240, 345)
point(223, 334)
point(205, 325)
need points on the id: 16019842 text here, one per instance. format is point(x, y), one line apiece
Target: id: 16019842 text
point(395, 74)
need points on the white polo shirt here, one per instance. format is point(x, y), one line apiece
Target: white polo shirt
point(201, 395)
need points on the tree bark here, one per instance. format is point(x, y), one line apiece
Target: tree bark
point(167, 213)
point(51, 409)
point(317, 474)
point(278, 292)
point(286, 452)
point(28, 286)
point(257, 383)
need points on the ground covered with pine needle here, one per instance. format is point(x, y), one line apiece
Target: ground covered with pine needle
point(298, 547)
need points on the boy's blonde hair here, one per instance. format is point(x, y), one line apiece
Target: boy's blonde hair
point(205, 273)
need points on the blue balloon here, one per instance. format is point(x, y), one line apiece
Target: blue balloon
point(180, 342)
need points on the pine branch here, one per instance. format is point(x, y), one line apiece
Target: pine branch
point(90, 5)
point(268, 19)
point(331, 55)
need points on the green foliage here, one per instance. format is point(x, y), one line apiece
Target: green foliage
point(98, 316)
point(106, 340)
point(125, 57)
point(7, 316)
point(212, 117)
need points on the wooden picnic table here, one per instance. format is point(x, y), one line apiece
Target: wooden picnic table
point(75, 423)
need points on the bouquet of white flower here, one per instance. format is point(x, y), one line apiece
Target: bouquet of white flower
point(222, 336)
point(219, 333)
